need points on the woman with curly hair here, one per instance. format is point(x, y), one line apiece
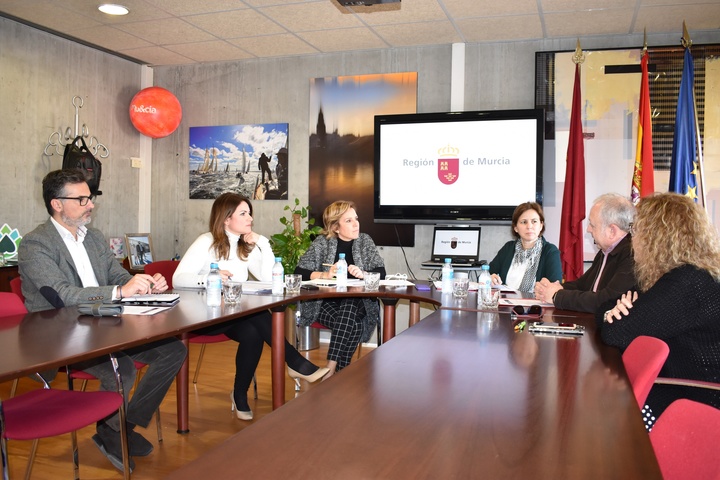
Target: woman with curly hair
point(677, 266)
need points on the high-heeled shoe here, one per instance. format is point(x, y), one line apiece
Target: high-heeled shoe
point(242, 415)
point(313, 377)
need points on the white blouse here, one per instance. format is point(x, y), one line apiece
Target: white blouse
point(195, 265)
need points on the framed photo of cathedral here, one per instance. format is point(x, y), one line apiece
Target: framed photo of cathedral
point(342, 132)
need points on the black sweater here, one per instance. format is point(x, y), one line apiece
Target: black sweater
point(683, 309)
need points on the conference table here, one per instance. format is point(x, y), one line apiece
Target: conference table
point(462, 394)
point(45, 340)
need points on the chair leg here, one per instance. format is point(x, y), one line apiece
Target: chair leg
point(13, 389)
point(255, 386)
point(158, 423)
point(76, 459)
point(4, 457)
point(31, 458)
point(200, 359)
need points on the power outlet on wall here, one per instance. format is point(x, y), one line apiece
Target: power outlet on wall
point(135, 162)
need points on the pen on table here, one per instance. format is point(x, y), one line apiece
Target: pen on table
point(149, 310)
point(328, 265)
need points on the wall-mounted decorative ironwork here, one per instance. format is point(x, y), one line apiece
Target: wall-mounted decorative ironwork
point(62, 137)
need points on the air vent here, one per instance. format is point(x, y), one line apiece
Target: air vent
point(364, 3)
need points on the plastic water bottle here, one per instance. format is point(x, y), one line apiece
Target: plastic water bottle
point(278, 277)
point(213, 286)
point(447, 277)
point(341, 272)
point(484, 283)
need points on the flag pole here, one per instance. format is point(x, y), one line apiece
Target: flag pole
point(687, 43)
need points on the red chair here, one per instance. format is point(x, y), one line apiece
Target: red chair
point(84, 376)
point(16, 287)
point(684, 439)
point(10, 305)
point(45, 412)
point(165, 267)
point(643, 360)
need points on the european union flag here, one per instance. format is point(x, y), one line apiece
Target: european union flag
point(683, 166)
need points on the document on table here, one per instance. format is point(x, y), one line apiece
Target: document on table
point(142, 310)
point(396, 283)
point(252, 287)
point(525, 302)
point(332, 282)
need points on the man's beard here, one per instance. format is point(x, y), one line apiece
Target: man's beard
point(79, 222)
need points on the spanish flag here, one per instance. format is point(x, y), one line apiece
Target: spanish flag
point(643, 180)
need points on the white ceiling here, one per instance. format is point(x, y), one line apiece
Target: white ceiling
point(177, 32)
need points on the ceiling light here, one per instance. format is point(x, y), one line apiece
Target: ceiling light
point(113, 9)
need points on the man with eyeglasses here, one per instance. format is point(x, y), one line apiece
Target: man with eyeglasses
point(612, 271)
point(62, 262)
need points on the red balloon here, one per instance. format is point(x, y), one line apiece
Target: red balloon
point(155, 112)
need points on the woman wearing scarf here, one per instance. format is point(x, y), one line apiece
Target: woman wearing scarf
point(528, 258)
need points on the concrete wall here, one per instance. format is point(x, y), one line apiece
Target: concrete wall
point(39, 75)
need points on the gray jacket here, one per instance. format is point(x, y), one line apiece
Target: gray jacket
point(365, 255)
point(49, 277)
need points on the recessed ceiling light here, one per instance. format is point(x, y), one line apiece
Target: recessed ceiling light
point(113, 9)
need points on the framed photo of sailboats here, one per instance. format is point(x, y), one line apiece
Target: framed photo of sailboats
point(251, 160)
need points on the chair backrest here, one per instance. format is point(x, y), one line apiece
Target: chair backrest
point(10, 304)
point(685, 441)
point(643, 360)
point(16, 287)
point(165, 267)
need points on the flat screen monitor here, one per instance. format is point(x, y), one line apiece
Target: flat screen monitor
point(457, 167)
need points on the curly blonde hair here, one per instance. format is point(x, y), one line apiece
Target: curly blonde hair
point(332, 214)
point(672, 230)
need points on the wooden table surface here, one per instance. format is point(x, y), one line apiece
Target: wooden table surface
point(459, 395)
point(44, 340)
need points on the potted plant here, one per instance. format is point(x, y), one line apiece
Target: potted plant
point(293, 241)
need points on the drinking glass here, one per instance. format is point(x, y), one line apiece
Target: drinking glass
point(232, 292)
point(489, 297)
point(372, 281)
point(293, 282)
point(460, 287)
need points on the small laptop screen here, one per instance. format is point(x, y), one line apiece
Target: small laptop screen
point(458, 243)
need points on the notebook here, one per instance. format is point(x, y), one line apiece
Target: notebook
point(460, 244)
point(155, 299)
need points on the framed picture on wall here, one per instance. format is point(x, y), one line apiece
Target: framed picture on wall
point(139, 250)
point(250, 159)
point(117, 245)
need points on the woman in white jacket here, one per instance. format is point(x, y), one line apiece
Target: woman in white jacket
point(239, 253)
